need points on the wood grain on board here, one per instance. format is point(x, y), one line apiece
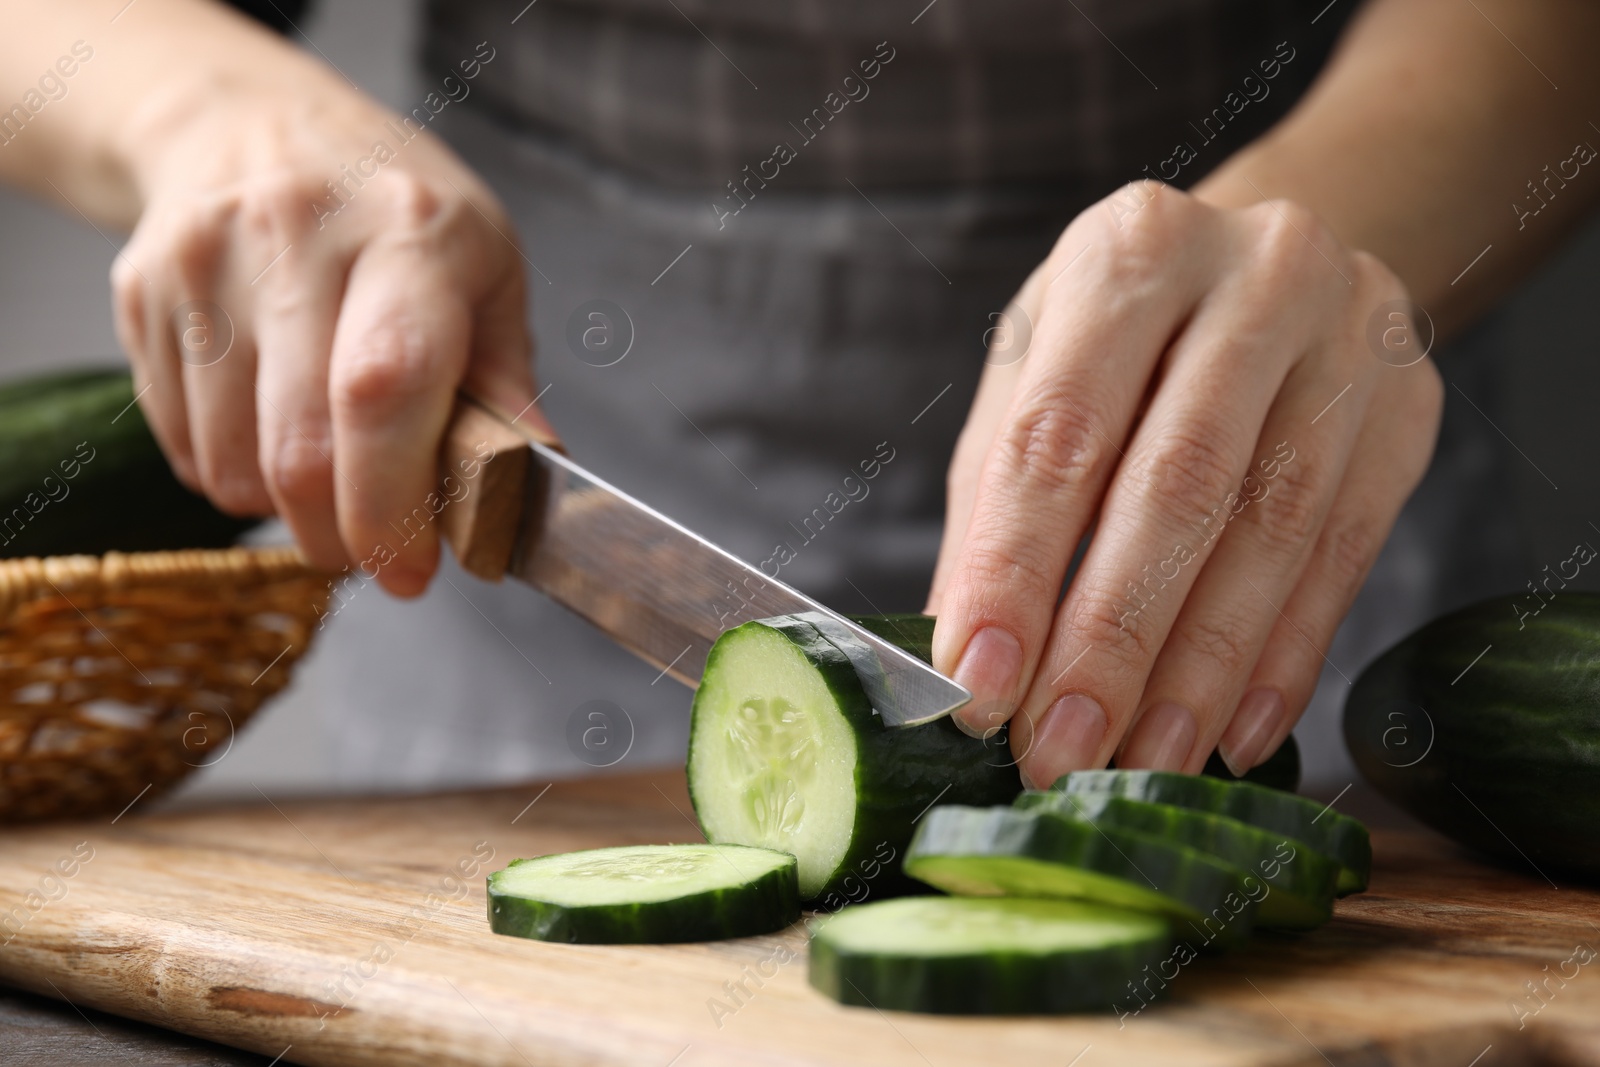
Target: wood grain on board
point(352, 931)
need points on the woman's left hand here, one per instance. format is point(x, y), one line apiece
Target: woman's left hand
point(1201, 391)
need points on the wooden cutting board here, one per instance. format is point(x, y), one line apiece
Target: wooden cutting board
point(343, 932)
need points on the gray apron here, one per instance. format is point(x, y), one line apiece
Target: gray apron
point(740, 353)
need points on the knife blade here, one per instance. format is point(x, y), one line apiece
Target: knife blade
point(519, 506)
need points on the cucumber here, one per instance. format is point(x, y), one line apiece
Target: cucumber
point(785, 752)
point(1483, 724)
point(1301, 880)
point(1337, 836)
point(81, 473)
point(1008, 852)
point(913, 633)
point(1280, 771)
point(645, 894)
point(992, 957)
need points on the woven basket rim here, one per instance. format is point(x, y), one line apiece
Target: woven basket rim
point(29, 578)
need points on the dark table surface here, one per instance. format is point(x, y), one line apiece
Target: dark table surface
point(43, 1032)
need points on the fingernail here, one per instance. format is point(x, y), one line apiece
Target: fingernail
point(1162, 739)
point(1245, 740)
point(989, 667)
point(1067, 738)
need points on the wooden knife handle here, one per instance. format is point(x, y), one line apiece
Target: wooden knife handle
point(483, 472)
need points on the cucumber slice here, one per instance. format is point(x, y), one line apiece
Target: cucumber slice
point(645, 893)
point(991, 957)
point(1301, 879)
point(785, 752)
point(1005, 852)
point(1338, 836)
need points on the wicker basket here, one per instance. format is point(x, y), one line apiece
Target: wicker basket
point(120, 674)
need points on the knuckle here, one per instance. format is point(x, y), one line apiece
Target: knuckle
point(1231, 642)
point(127, 300)
point(999, 574)
point(1290, 511)
point(411, 202)
point(1374, 276)
point(1190, 471)
point(1109, 621)
point(1293, 241)
point(295, 472)
point(1053, 448)
point(195, 244)
point(1141, 240)
point(387, 368)
point(279, 206)
point(1349, 549)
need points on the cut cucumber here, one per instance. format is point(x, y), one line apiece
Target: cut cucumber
point(1007, 852)
point(1301, 879)
point(989, 957)
point(785, 752)
point(645, 893)
point(1301, 818)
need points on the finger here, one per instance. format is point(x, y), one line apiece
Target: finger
point(217, 363)
point(297, 310)
point(399, 350)
point(142, 330)
point(1384, 468)
point(1177, 485)
point(1002, 369)
point(1259, 557)
point(500, 367)
point(1098, 340)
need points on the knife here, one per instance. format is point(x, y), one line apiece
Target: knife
point(521, 507)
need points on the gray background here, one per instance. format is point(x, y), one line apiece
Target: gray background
point(55, 311)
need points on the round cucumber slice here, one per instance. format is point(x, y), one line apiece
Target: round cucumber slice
point(992, 956)
point(1006, 852)
point(786, 752)
point(1301, 880)
point(646, 894)
point(772, 755)
point(1325, 830)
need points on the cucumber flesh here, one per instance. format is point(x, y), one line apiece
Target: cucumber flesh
point(646, 893)
point(984, 956)
point(1338, 836)
point(786, 752)
point(1300, 880)
point(779, 772)
point(1006, 852)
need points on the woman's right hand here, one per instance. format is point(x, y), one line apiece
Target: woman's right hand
point(302, 295)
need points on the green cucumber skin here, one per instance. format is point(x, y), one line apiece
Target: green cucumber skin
point(981, 983)
point(1338, 836)
point(913, 633)
point(1281, 770)
point(124, 498)
point(1509, 745)
point(1198, 884)
point(899, 772)
point(768, 903)
point(1301, 886)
